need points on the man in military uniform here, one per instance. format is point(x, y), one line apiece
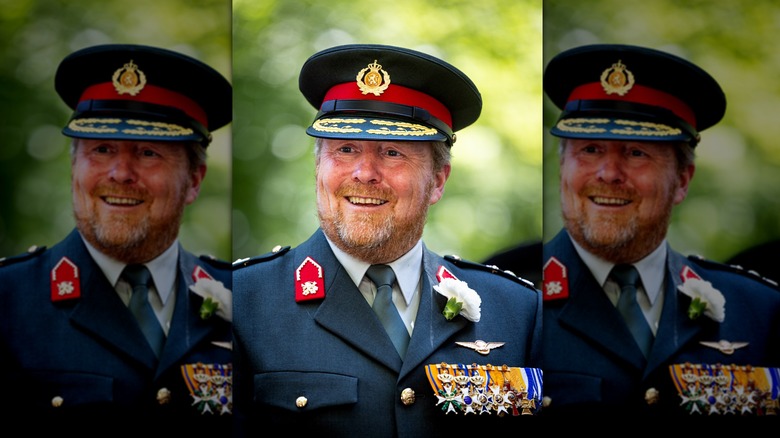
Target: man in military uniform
point(632, 327)
point(117, 322)
point(315, 351)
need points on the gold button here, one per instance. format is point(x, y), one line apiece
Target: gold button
point(57, 401)
point(546, 401)
point(301, 402)
point(163, 396)
point(407, 396)
point(651, 396)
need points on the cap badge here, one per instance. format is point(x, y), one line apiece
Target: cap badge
point(129, 79)
point(617, 80)
point(369, 79)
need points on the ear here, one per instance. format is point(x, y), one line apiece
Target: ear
point(196, 178)
point(685, 178)
point(439, 179)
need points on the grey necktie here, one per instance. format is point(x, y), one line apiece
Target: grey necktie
point(384, 277)
point(140, 278)
point(627, 278)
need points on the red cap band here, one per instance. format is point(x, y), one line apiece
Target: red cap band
point(150, 94)
point(393, 94)
point(637, 94)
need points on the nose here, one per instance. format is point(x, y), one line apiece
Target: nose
point(611, 169)
point(367, 168)
point(123, 168)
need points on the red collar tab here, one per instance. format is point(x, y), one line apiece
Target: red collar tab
point(686, 272)
point(393, 94)
point(65, 282)
point(309, 283)
point(637, 94)
point(443, 273)
point(199, 273)
point(149, 94)
point(556, 280)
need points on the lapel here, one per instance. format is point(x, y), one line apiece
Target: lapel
point(100, 312)
point(344, 311)
point(675, 329)
point(431, 328)
point(588, 311)
point(187, 329)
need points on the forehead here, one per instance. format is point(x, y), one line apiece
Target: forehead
point(417, 147)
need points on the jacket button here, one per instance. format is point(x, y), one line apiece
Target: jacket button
point(301, 402)
point(163, 396)
point(407, 396)
point(57, 401)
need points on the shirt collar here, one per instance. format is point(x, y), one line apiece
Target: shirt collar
point(407, 268)
point(651, 268)
point(162, 268)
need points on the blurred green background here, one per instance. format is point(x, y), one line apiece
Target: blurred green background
point(493, 199)
point(34, 161)
point(734, 196)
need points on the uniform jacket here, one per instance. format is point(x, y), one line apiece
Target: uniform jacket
point(592, 365)
point(335, 352)
point(91, 353)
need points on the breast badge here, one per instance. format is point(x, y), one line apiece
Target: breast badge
point(486, 389)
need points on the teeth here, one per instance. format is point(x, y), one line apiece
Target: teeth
point(121, 201)
point(357, 200)
point(609, 201)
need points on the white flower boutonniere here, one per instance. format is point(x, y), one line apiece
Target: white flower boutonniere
point(705, 299)
point(460, 299)
point(216, 299)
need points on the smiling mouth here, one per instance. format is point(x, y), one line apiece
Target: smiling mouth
point(365, 201)
point(603, 200)
point(113, 200)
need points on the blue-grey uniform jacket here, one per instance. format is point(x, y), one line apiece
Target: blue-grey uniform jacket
point(80, 364)
point(334, 355)
point(593, 367)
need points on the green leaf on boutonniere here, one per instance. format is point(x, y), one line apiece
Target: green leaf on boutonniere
point(208, 308)
point(452, 308)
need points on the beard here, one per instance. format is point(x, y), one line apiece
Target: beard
point(619, 238)
point(129, 239)
point(374, 237)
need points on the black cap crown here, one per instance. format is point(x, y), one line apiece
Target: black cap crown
point(125, 91)
point(614, 91)
point(379, 92)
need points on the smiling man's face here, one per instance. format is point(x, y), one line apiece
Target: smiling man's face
point(617, 196)
point(129, 196)
point(373, 196)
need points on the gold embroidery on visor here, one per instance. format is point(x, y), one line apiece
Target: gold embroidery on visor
point(630, 127)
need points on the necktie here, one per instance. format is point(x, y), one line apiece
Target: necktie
point(384, 277)
point(139, 277)
point(628, 277)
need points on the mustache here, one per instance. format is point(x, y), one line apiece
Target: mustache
point(365, 191)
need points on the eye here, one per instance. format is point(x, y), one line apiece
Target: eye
point(393, 153)
point(637, 153)
point(346, 149)
point(149, 153)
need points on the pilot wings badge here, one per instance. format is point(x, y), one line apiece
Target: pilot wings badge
point(725, 347)
point(480, 346)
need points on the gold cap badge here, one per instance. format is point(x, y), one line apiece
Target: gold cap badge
point(617, 79)
point(369, 79)
point(129, 79)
